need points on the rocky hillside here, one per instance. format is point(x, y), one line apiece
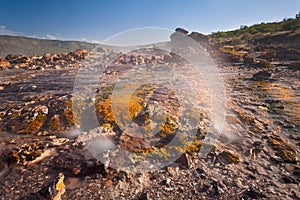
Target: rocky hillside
point(285, 33)
point(30, 46)
point(261, 45)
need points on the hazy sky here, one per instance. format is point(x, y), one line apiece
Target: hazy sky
point(99, 19)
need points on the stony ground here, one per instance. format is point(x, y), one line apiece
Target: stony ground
point(256, 157)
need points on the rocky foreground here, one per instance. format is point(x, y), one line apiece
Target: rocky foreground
point(44, 140)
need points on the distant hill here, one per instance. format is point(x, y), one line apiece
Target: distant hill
point(281, 34)
point(30, 46)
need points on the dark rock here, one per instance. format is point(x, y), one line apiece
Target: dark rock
point(199, 37)
point(10, 57)
point(295, 137)
point(296, 194)
point(280, 107)
point(262, 75)
point(202, 173)
point(248, 60)
point(166, 181)
point(228, 157)
point(55, 189)
point(4, 170)
point(287, 179)
point(39, 68)
point(294, 66)
point(144, 196)
point(21, 59)
point(246, 163)
point(205, 188)
point(297, 172)
point(216, 189)
point(252, 194)
point(280, 53)
point(32, 196)
point(181, 30)
point(273, 101)
point(289, 126)
point(228, 57)
point(262, 64)
point(183, 161)
point(251, 176)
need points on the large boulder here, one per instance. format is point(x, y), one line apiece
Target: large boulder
point(80, 54)
point(199, 37)
point(10, 57)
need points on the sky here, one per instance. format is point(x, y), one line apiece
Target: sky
point(97, 20)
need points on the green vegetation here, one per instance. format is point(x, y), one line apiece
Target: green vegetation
point(287, 25)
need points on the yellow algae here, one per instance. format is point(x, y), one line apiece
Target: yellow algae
point(231, 50)
point(59, 187)
point(55, 123)
point(26, 153)
point(104, 111)
point(282, 91)
point(124, 108)
point(246, 117)
point(284, 150)
point(34, 125)
point(73, 111)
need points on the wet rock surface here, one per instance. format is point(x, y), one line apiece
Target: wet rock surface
point(45, 153)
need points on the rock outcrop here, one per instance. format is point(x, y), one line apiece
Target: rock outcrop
point(4, 63)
